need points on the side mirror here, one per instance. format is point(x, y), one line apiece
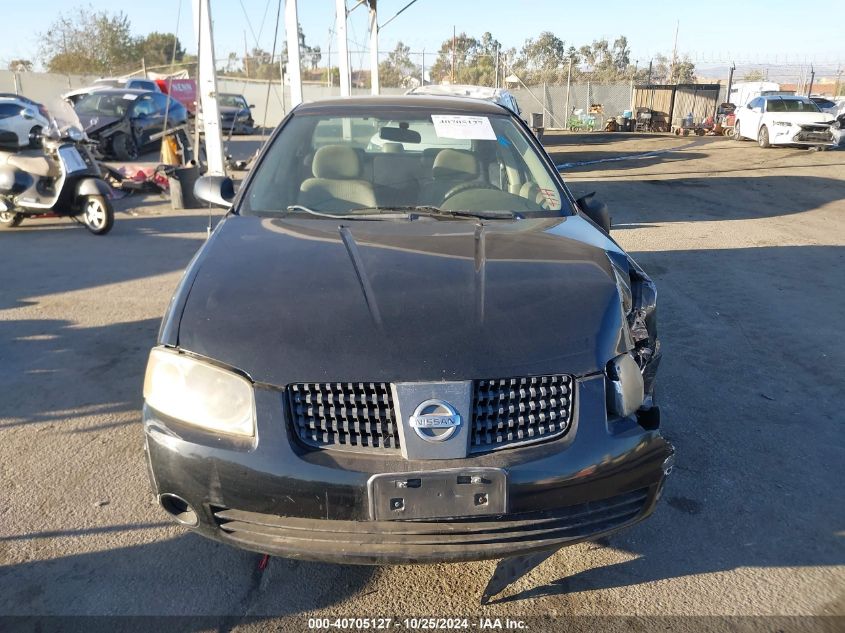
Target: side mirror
point(595, 210)
point(251, 105)
point(216, 190)
point(28, 114)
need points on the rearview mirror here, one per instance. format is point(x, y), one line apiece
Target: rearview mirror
point(399, 135)
point(28, 114)
point(216, 190)
point(596, 210)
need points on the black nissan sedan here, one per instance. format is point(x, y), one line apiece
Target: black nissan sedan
point(406, 342)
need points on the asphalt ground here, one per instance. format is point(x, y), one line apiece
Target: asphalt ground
point(747, 247)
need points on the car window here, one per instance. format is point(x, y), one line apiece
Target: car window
point(160, 101)
point(412, 157)
point(756, 103)
point(232, 101)
point(791, 105)
point(144, 106)
point(114, 105)
point(9, 110)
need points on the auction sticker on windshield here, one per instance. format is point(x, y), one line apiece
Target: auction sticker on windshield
point(474, 128)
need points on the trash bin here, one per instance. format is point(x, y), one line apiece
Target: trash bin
point(537, 123)
point(624, 124)
point(181, 182)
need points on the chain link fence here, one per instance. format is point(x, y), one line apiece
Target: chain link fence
point(578, 105)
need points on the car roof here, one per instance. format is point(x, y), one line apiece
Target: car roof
point(123, 91)
point(452, 105)
point(786, 97)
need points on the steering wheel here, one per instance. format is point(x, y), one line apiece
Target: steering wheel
point(464, 186)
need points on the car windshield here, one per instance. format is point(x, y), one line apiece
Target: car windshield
point(231, 101)
point(791, 105)
point(404, 159)
point(104, 104)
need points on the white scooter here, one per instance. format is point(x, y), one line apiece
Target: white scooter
point(62, 179)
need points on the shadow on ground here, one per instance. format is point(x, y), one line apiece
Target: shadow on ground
point(759, 447)
point(635, 202)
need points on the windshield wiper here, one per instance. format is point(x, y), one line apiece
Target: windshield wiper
point(434, 211)
point(298, 208)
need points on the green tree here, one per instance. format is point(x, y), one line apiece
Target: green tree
point(157, 49)
point(90, 42)
point(544, 59)
point(474, 60)
point(754, 75)
point(664, 72)
point(20, 65)
point(603, 61)
point(394, 71)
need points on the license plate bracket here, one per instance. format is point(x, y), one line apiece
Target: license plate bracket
point(438, 494)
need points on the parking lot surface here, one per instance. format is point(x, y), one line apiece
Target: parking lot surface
point(747, 247)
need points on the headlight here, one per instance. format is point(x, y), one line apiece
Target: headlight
point(625, 392)
point(198, 393)
point(786, 123)
point(75, 134)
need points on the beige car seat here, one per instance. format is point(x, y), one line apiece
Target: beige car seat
point(337, 185)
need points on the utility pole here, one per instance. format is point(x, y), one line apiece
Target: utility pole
point(496, 85)
point(246, 57)
point(454, 39)
point(294, 66)
point(730, 84)
point(207, 89)
point(568, 82)
point(343, 50)
point(812, 78)
point(650, 66)
point(675, 52)
point(374, 79)
point(422, 69)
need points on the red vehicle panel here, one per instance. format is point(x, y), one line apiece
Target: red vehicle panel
point(183, 90)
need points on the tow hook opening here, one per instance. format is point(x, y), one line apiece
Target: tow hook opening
point(649, 418)
point(179, 509)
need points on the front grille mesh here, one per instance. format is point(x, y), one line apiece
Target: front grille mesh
point(519, 410)
point(348, 415)
point(360, 416)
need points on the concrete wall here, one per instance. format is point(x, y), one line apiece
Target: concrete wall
point(47, 88)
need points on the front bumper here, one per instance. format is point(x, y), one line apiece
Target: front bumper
point(274, 496)
point(814, 136)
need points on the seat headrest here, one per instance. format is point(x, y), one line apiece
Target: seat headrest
point(453, 164)
point(336, 162)
point(393, 148)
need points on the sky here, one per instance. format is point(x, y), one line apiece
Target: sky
point(716, 31)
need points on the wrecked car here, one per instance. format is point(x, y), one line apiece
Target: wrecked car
point(405, 352)
point(784, 120)
point(125, 122)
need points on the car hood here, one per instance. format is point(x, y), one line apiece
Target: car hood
point(803, 118)
point(93, 123)
point(289, 300)
point(231, 110)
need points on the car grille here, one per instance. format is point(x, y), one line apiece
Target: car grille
point(423, 540)
point(519, 410)
point(344, 415)
point(360, 416)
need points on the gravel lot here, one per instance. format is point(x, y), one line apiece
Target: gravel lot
point(748, 250)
